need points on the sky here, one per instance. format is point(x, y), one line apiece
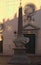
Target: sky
point(8, 8)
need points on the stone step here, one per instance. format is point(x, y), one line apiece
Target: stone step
point(20, 57)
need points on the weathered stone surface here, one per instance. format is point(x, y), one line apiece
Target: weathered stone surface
point(20, 57)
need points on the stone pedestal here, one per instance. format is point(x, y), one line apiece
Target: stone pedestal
point(20, 57)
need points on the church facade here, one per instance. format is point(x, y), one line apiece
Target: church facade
point(10, 30)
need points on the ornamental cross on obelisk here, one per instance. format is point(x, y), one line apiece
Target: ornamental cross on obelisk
point(20, 2)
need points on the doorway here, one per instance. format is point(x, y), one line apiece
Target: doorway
point(1, 44)
point(31, 44)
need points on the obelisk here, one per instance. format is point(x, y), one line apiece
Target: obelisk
point(20, 23)
point(19, 56)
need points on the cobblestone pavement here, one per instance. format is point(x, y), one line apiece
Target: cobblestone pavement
point(4, 60)
point(34, 59)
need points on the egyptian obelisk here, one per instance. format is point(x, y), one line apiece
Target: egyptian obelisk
point(20, 23)
point(19, 57)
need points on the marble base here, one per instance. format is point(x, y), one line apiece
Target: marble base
point(20, 57)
